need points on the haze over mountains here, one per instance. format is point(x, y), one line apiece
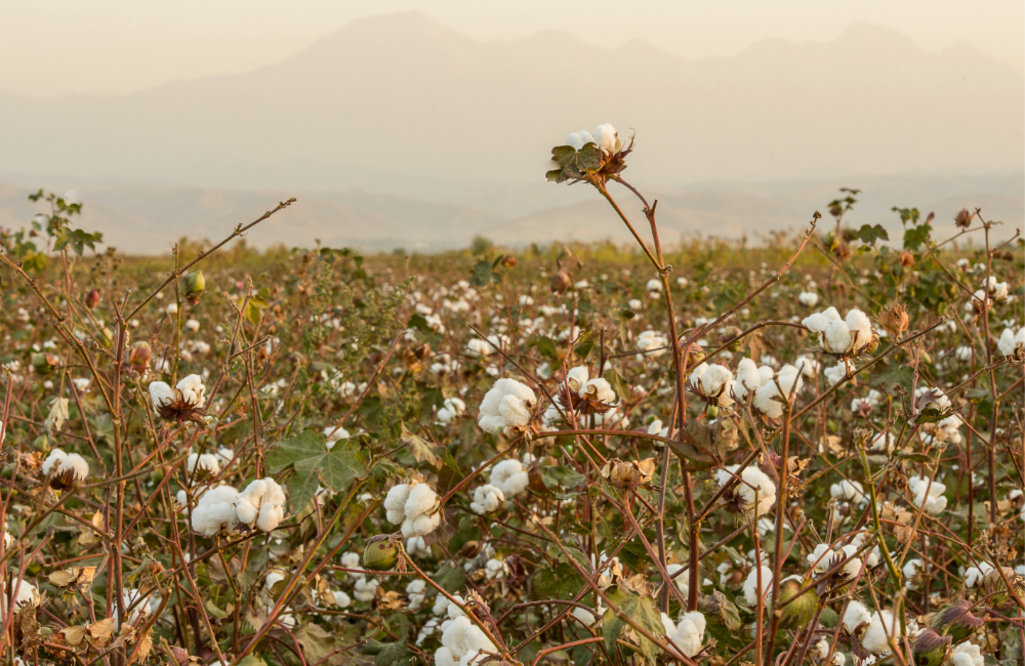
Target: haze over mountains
point(396, 130)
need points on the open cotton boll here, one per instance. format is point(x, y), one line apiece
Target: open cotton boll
point(53, 462)
point(713, 383)
point(334, 434)
point(855, 616)
point(808, 366)
point(883, 624)
point(506, 407)
point(215, 511)
point(753, 479)
point(682, 581)
point(837, 337)
point(847, 490)
point(416, 594)
point(192, 390)
point(1010, 341)
point(75, 466)
point(262, 502)
point(651, 340)
point(748, 378)
point(578, 140)
point(607, 139)
point(689, 633)
point(351, 560)
point(342, 600)
point(395, 502)
point(206, 462)
point(808, 298)
point(366, 589)
point(586, 616)
point(861, 326)
point(974, 575)
point(600, 390)
point(835, 373)
point(751, 585)
point(496, 569)
point(769, 399)
point(654, 285)
point(160, 394)
point(967, 654)
point(487, 499)
point(576, 379)
point(26, 594)
point(511, 477)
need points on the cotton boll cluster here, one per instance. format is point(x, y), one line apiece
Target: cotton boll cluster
point(835, 373)
point(944, 431)
point(463, 643)
point(713, 383)
point(753, 481)
point(206, 463)
point(1011, 342)
point(507, 407)
point(822, 649)
point(215, 511)
point(66, 468)
point(487, 499)
point(607, 139)
point(967, 654)
point(841, 337)
point(596, 390)
point(415, 507)
point(824, 558)
point(651, 344)
point(882, 625)
point(452, 408)
point(808, 298)
point(865, 406)
point(688, 634)
point(928, 494)
point(511, 477)
point(496, 569)
point(993, 290)
point(263, 503)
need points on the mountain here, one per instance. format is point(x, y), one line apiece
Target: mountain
point(403, 105)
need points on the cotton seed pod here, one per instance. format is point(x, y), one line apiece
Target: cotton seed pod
point(509, 261)
point(963, 219)
point(44, 363)
point(140, 356)
point(930, 648)
point(380, 555)
point(956, 620)
point(92, 299)
point(894, 320)
point(194, 284)
point(799, 612)
point(560, 283)
point(993, 584)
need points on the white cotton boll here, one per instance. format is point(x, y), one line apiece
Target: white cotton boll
point(192, 390)
point(587, 617)
point(654, 285)
point(204, 463)
point(748, 378)
point(600, 390)
point(417, 546)
point(967, 654)
point(443, 657)
point(884, 443)
point(875, 639)
point(420, 525)
point(335, 434)
point(578, 140)
point(768, 400)
point(835, 373)
point(421, 499)
point(753, 479)
point(816, 323)
point(690, 633)
point(496, 569)
point(366, 589)
point(215, 511)
point(751, 585)
point(860, 325)
point(487, 499)
point(682, 581)
point(911, 569)
point(506, 405)
point(394, 503)
point(75, 465)
point(416, 594)
point(192, 325)
point(342, 600)
point(847, 490)
point(837, 337)
point(511, 477)
point(160, 394)
point(855, 616)
point(974, 575)
point(351, 560)
point(262, 502)
point(808, 298)
point(715, 381)
point(53, 462)
point(808, 366)
point(576, 378)
point(172, 308)
point(514, 411)
point(606, 138)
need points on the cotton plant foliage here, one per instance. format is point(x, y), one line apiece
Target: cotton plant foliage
point(689, 450)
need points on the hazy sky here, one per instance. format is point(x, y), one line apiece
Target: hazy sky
point(53, 47)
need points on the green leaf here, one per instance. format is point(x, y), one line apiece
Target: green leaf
point(573, 164)
point(421, 449)
point(561, 475)
point(900, 374)
point(560, 582)
point(641, 610)
point(870, 234)
point(546, 346)
point(252, 660)
point(213, 610)
point(253, 308)
point(314, 464)
point(386, 654)
point(450, 577)
point(915, 236)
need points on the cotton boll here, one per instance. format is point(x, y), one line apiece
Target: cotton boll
point(861, 326)
point(748, 378)
point(599, 389)
point(511, 477)
point(847, 491)
point(415, 592)
point(875, 639)
point(192, 390)
point(967, 654)
point(506, 406)
point(53, 462)
point(751, 585)
point(203, 463)
point(690, 633)
point(487, 499)
point(335, 434)
point(26, 594)
point(682, 581)
point(835, 373)
point(808, 298)
point(366, 589)
point(855, 616)
point(837, 337)
point(753, 479)
point(215, 511)
point(579, 139)
point(421, 499)
point(160, 394)
point(816, 323)
point(974, 575)
point(607, 139)
point(395, 501)
point(576, 378)
point(587, 617)
point(75, 466)
point(342, 600)
point(351, 560)
point(262, 502)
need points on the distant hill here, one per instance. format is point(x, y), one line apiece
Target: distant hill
point(403, 105)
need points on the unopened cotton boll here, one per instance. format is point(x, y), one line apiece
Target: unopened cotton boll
point(215, 511)
point(487, 499)
point(883, 624)
point(263, 503)
point(511, 477)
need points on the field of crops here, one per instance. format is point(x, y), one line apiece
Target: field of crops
point(810, 451)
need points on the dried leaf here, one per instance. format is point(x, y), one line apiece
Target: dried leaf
point(74, 636)
point(101, 630)
point(418, 446)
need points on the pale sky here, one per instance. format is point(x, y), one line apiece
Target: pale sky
point(54, 47)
